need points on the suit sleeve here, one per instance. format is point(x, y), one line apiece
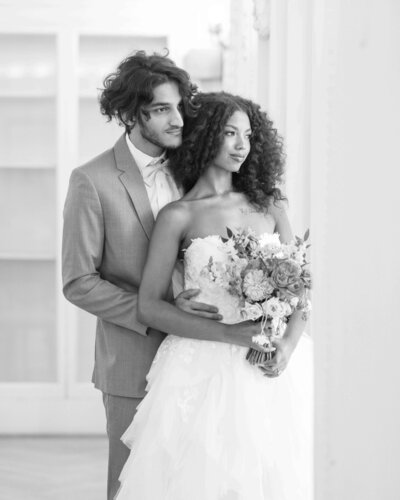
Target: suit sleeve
point(82, 250)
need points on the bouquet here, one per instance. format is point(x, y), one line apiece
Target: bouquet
point(272, 280)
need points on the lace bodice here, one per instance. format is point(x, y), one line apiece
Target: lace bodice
point(197, 256)
point(211, 277)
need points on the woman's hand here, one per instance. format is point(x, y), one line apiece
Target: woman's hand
point(283, 351)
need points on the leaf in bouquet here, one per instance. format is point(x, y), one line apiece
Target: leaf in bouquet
point(209, 266)
point(269, 264)
point(302, 302)
point(306, 235)
point(235, 286)
point(256, 263)
point(229, 232)
point(308, 282)
point(253, 246)
point(299, 241)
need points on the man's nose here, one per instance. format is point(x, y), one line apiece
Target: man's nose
point(176, 118)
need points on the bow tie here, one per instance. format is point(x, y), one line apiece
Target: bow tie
point(155, 170)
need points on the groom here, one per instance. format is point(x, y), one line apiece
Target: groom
point(109, 213)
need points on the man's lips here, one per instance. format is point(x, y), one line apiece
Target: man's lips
point(174, 131)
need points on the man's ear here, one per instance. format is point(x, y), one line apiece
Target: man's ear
point(131, 122)
point(144, 114)
point(128, 124)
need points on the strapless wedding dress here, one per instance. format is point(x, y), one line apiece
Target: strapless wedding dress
point(211, 426)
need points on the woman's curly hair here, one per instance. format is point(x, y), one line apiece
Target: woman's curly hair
point(203, 134)
point(131, 87)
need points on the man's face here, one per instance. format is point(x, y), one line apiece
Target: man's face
point(162, 128)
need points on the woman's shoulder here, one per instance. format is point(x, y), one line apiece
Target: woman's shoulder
point(176, 211)
point(277, 209)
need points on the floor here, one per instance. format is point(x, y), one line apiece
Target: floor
point(56, 468)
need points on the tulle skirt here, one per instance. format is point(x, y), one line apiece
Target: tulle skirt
point(212, 427)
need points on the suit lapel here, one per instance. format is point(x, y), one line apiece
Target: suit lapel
point(132, 179)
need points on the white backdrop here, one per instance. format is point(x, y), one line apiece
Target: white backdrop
point(354, 188)
point(329, 73)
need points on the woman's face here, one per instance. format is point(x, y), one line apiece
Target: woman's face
point(236, 143)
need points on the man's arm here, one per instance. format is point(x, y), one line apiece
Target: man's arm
point(82, 253)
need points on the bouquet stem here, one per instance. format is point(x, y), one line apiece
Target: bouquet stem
point(256, 357)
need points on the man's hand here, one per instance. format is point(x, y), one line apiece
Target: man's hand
point(186, 303)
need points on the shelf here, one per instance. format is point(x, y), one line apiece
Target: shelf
point(27, 257)
point(89, 96)
point(28, 167)
point(27, 95)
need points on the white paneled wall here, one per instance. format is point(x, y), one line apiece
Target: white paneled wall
point(355, 181)
point(334, 74)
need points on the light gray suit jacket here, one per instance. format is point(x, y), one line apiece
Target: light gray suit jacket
point(107, 225)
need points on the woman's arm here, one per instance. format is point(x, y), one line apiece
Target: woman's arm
point(153, 310)
point(296, 323)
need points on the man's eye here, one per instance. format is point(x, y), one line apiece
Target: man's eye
point(161, 110)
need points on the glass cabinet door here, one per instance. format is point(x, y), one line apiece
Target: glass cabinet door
point(49, 124)
point(28, 124)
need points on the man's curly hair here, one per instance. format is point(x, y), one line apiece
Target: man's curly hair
point(203, 134)
point(131, 87)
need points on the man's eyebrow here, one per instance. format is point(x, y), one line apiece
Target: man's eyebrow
point(155, 104)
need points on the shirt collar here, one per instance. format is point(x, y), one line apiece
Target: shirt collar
point(142, 159)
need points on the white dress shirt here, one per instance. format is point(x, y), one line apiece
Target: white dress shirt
point(160, 185)
point(161, 190)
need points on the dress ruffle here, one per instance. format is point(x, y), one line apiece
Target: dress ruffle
point(213, 428)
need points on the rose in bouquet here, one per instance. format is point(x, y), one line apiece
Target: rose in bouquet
point(273, 280)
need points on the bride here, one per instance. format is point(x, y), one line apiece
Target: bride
point(212, 426)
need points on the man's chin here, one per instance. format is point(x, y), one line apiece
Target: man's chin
point(173, 144)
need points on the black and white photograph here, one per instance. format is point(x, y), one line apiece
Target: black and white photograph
point(199, 271)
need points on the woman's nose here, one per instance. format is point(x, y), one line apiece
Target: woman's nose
point(240, 142)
